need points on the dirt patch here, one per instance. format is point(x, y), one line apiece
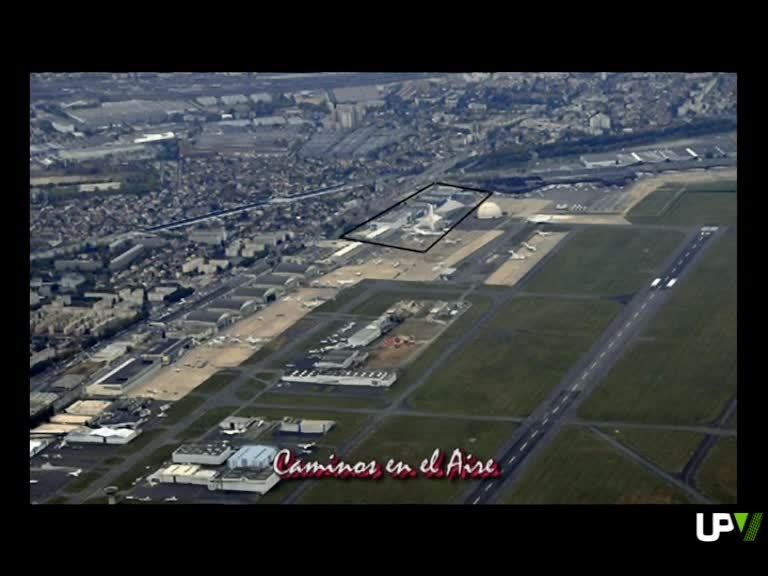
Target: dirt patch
point(394, 357)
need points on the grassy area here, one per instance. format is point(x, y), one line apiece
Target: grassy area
point(580, 468)
point(329, 399)
point(717, 476)
point(511, 366)
point(600, 260)
point(144, 467)
point(216, 382)
point(248, 390)
point(684, 370)
point(84, 480)
point(381, 301)
point(667, 449)
point(347, 425)
point(416, 367)
point(411, 439)
point(183, 407)
point(655, 204)
point(206, 422)
point(699, 204)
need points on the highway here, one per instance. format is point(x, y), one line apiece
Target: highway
point(586, 375)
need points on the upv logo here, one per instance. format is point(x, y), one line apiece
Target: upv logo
point(722, 522)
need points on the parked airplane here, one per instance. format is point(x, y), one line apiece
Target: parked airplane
point(542, 233)
point(531, 248)
point(75, 473)
point(516, 256)
point(172, 499)
point(307, 447)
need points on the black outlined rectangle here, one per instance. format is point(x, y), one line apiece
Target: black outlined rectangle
point(345, 235)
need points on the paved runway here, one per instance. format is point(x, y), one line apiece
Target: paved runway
point(587, 373)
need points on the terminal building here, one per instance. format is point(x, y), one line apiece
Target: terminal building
point(376, 378)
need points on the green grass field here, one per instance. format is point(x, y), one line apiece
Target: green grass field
point(717, 476)
point(183, 407)
point(581, 468)
point(346, 426)
point(667, 449)
point(247, 391)
point(328, 399)
point(684, 369)
point(411, 439)
point(416, 367)
point(699, 204)
point(522, 353)
point(599, 260)
point(216, 382)
point(206, 422)
point(654, 205)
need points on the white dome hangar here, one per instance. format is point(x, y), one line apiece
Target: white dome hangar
point(488, 210)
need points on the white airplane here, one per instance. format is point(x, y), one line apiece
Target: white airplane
point(145, 499)
point(172, 499)
point(342, 282)
point(542, 233)
point(516, 256)
point(75, 473)
point(259, 424)
point(33, 481)
point(531, 248)
point(307, 447)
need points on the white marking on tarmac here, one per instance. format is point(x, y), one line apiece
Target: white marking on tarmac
point(636, 315)
point(476, 500)
point(545, 420)
point(583, 377)
point(687, 253)
point(535, 432)
point(511, 460)
point(652, 295)
point(488, 487)
point(619, 333)
point(603, 354)
point(644, 305)
point(674, 269)
point(610, 344)
point(523, 446)
point(593, 364)
point(555, 409)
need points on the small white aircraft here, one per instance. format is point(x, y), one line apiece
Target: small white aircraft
point(75, 473)
point(307, 447)
point(172, 499)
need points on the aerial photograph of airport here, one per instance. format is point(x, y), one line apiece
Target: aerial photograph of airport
point(382, 288)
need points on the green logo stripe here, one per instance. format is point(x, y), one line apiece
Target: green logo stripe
point(741, 519)
point(754, 526)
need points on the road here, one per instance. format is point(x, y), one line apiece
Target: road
point(585, 376)
point(692, 466)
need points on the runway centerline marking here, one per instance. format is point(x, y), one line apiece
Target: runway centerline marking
point(535, 432)
point(610, 344)
point(511, 460)
point(545, 420)
point(556, 409)
point(593, 364)
point(523, 446)
point(636, 315)
point(488, 487)
point(603, 354)
point(476, 500)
